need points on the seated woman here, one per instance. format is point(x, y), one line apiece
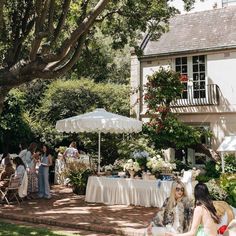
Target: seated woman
point(22, 173)
point(6, 173)
point(175, 214)
point(20, 167)
point(205, 218)
point(226, 214)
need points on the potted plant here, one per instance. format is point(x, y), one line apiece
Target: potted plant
point(132, 167)
point(77, 174)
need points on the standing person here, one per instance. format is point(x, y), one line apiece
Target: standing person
point(46, 161)
point(205, 218)
point(71, 151)
point(23, 150)
point(29, 163)
point(175, 214)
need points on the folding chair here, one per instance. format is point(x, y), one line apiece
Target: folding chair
point(11, 191)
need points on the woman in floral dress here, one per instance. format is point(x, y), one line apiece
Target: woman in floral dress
point(175, 214)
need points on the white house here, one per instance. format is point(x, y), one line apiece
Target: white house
point(202, 47)
point(200, 5)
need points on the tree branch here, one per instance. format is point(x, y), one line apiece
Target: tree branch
point(83, 27)
point(41, 13)
point(50, 17)
point(61, 21)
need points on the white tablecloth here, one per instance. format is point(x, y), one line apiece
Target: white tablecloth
point(127, 191)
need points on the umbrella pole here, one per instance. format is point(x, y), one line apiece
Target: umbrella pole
point(222, 162)
point(99, 151)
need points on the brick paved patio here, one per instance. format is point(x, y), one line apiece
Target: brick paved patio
point(68, 210)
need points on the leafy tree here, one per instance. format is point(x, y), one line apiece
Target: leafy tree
point(164, 128)
point(64, 99)
point(44, 38)
point(14, 126)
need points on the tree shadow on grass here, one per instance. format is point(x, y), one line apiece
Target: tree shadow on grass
point(7, 229)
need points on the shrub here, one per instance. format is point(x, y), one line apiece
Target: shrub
point(216, 192)
point(228, 183)
point(230, 163)
point(203, 178)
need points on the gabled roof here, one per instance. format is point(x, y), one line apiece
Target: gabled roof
point(197, 32)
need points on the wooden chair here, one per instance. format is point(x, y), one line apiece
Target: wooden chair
point(11, 191)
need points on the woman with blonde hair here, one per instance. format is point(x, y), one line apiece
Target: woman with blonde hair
point(175, 214)
point(205, 218)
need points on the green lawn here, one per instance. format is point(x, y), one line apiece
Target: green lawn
point(7, 229)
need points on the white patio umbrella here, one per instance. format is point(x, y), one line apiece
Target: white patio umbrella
point(99, 121)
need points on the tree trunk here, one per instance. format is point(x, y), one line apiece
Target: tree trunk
point(3, 94)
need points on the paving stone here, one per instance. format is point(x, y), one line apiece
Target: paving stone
point(67, 210)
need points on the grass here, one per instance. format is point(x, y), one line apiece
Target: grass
point(8, 229)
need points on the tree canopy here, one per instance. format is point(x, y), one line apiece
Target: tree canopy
point(44, 38)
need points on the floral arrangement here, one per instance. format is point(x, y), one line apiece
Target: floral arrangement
point(131, 165)
point(158, 164)
point(140, 154)
point(141, 158)
point(107, 168)
point(119, 164)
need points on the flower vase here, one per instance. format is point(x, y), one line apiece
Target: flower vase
point(131, 174)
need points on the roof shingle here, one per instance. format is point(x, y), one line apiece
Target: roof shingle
point(206, 30)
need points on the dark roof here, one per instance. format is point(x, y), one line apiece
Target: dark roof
point(200, 31)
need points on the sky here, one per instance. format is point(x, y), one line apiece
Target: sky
point(199, 5)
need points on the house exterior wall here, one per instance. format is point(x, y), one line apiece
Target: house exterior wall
point(200, 5)
point(221, 70)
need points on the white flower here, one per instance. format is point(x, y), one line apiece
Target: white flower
point(107, 168)
point(157, 163)
point(131, 165)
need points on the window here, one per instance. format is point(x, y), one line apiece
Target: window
point(199, 75)
point(181, 66)
point(193, 76)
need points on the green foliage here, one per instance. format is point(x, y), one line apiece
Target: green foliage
point(140, 143)
point(216, 192)
point(64, 99)
point(14, 126)
point(230, 163)
point(228, 183)
point(180, 166)
point(211, 170)
point(77, 174)
point(164, 128)
point(203, 178)
point(8, 229)
point(100, 62)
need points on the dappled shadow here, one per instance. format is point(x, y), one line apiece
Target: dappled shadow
point(67, 207)
point(7, 229)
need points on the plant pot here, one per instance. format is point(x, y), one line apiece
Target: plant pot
point(79, 190)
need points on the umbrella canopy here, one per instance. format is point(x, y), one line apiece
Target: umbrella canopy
point(99, 121)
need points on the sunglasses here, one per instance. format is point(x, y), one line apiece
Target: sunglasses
point(179, 189)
